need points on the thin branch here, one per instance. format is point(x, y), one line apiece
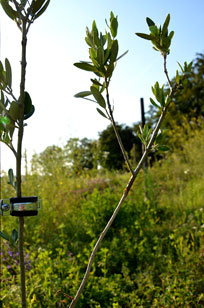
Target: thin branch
point(12, 149)
point(124, 195)
point(166, 72)
point(10, 92)
point(116, 131)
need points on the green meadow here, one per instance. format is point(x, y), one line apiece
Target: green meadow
point(153, 255)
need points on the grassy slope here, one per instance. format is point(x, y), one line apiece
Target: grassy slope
point(152, 257)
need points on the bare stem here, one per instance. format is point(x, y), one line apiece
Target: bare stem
point(18, 163)
point(126, 191)
point(166, 72)
point(124, 195)
point(116, 131)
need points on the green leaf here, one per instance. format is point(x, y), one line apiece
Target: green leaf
point(30, 113)
point(177, 77)
point(36, 5)
point(93, 57)
point(11, 128)
point(145, 36)
point(100, 55)
point(14, 235)
point(82, 94)
point(141, 138)
point(98, 97)
point(101, 113)
point(96, 82)
point(5, 138)
point(163, 148)
point(8, 73)
point(181, 67)
point(114, 27)
point(166, 24)
point(11, 177)
point(89, 38)
point(8, 9)
point(96, 39)
point(145, 131)
point(154, 104)
point(4, 120)
point(4, 236)
point(150, 22)
point(114, 51)
point(110, 69)
point(14, 111)
point(29, 109)
point(154, 30)
point(85, 66)
point(40, 12)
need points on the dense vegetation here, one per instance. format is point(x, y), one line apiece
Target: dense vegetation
point(153, 256)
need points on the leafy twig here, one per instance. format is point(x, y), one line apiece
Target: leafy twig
point(164, 48)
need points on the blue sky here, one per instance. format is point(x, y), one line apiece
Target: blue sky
point(56, 41)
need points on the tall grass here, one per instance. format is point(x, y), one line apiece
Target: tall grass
point(153, 256)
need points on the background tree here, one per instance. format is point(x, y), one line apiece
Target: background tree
point(82, 154)
point(110, 155)
point(48, 162)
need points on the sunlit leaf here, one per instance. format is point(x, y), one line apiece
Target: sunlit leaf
point(153, 30)
point(154, 104)
point(145, 131)
point(4, 120)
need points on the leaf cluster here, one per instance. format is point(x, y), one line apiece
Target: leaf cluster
point(159, 36)
point(13, 109)
point(186, 70)
point(161, 96)
point(24, 11)
point(10, 106)
point(103, 55)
